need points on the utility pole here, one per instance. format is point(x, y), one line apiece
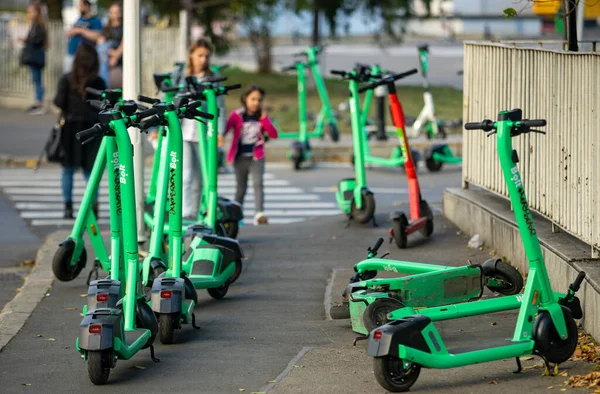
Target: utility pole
point(570, 7)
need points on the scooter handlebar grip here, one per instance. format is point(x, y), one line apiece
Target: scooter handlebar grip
point(233, 86)
point(474, 126)
point(150, 122)
point(146, 113)
point(578, 281)
point(377, 245)
point(96, 104)
point(149, 100)
point(217, 79)
point(141, 107)
point(194, 104)
point(167, 89)
point(202, 114)
point(89, 133)
point(93, 91)
point(534, 123)
point(338, 72)
point(405, 74)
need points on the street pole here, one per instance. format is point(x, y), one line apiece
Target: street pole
point(580, 19)
point(184, 29)
point(131, 89)
point(380, 93)
point(571, 25)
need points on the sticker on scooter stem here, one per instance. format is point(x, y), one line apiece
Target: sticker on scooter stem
point(524, 205)
point(117, 187)
point(172, 173)
point(389, 268)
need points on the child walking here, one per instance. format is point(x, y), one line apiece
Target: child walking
point(249, 125)
point(198, 65)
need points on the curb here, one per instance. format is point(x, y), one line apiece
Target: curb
point(36, 286)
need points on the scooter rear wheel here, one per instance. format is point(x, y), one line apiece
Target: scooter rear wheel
point(166, 327)
point(99, 364)
point(513, 281)
point(334, 133)
point(231, 228)
point(237, 272)
point(368, 209)
point(426, 212)
point(297, 164)
point(61, 263)
point(218, 292)
point(394, 374)
point(433, 165)
point(375, 314)
point(399, 231)
point(547, 342)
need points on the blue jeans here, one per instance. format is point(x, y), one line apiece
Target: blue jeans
point(102, 50)
point(36, 77)
point(67, 182)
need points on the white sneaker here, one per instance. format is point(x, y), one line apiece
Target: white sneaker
point(260, 218)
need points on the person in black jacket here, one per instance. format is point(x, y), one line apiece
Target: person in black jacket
point(71, 99)
point(34, 55)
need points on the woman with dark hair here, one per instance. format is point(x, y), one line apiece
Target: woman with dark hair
point(34, 54)
point(110, 46)
point(71, 99)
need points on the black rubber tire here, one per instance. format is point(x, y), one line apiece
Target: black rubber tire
point(334, 133)
point(433, 165)
point(218, 292)
point(237, 272)
point(145, 318)
point(547, 342)
point(232, 228)
point(375, 314)
point(366, 213)
point(508, 274)
point(166, 327)
point(425, 211)
point(390, 374)
point(61, 262)
point(297, 163)
point(99, 364)
point(340, 311)
point(399, 231)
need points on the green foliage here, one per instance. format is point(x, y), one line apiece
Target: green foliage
point(509, 13)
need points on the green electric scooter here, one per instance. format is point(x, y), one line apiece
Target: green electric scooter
point(71, 255)
point(173, 296)
point(300, 149)
point(428, 123)
point(353, 196)
point(396, 158)
point(325, 119)
point(109, 334)
point(545, 326)
point(224, 254)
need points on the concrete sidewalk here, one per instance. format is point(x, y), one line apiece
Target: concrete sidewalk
point(271, 334)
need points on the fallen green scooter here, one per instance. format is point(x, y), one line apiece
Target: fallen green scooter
point(545, 325)
point(109, 334)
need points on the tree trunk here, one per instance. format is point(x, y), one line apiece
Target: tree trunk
point(315, 30)
point(571, 25)
point(55, 9)
point(261, 41)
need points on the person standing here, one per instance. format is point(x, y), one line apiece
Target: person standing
point(34, 55)
point(87, 29)
point(71, 99)
point(110, 48)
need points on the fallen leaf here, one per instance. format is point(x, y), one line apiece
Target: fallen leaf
point(550, 387)
point(563, 373)
point(70, 309)
point(18, 290)
point(26, 384)
point(493, 323)
point(495, 381)
point(253, 338)
point(492, 252)
point(272, 381)
point(82, 295)
point(29, 262)
point(563, 389)
point(39, 335)
point(242, 390)
point(258, 392)
point(525, 358)
point(51, 339)
point(138, 367)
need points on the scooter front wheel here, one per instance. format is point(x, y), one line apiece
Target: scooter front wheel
point(231, 228)
point(426, 212)
point(548, 343)
point(399, 231)
point(237, 272)
point(375, 314)
point(218, 292)
point(99, 364)
point(368, 209)
point(394, 374)
point(61, 263)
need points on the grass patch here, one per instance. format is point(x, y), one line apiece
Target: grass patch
point(282, 98)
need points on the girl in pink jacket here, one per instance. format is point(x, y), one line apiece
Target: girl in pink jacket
point(249, 125)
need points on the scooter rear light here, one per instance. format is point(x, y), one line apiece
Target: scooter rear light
point(95, 329)
point(377, 335)
point(166, 294)
point(390, 232)
point(102, 297)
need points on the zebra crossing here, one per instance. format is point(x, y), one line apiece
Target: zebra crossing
point(37, 196)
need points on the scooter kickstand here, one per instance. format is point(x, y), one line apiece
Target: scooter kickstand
point(374, 222)
point(93, 271)
point(156, 360)
point(361, 338)
point(194, 322)
point(519, 366)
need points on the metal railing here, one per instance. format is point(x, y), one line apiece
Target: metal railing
point(562, 168)
point(159, 52)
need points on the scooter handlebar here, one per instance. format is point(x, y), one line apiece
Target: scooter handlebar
point(387, 80)
point(216, 79)
point(153, 121)
point(166, 89)
point(486, 125)
point(201, 114)
point(149, 100)
point(578, 281)
point(376, 247)
point(339, 72)
point(146, 113)
point(96, 104)
point(93, 91)
point(232, 87)
point(92, 132)
point(533, 123)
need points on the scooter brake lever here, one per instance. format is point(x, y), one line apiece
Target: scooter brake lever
point(385, 254)
point(490, 133)
point(538, 131)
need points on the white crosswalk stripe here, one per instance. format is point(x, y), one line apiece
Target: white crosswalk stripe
point(38, 197)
